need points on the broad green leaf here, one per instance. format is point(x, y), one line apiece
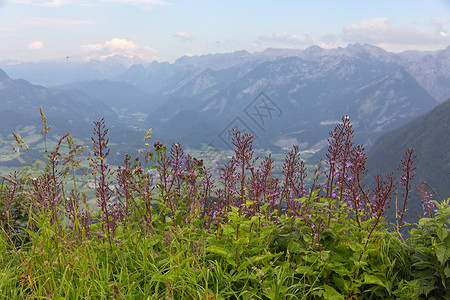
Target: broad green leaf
point(230, 260)
point(447, 272)
point(228, 229)
point(372, 279)
point(242, 241)
point(340, 269)
point(424, 221)
point(304, 270)
point(340, 282)
point(425, 286)
point(295, 247)
point(442, 254)
point(218, 250)
point(329, 293)
point(328, 238)
point(254, 219)
point(311, 257)
point(442, 233)
point(446, 242)
point(342, 253)
point(354, 245)
point(257, 258)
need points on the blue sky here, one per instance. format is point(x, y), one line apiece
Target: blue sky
point(164, 30)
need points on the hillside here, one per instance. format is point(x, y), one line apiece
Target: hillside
point(430, 134)
point(65, 111)
point(113, 94)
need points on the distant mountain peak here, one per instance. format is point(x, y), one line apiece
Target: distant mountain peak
point(4, 76)
point(314, 48)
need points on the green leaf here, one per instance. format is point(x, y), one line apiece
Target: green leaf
point(271, 294)
point(329, 239)
point(424, 268)
point(442, 233)
point(257, 258)
point(426, 285)
point(255, 219)
point(340, 283)
point(340, 269)
point(354, 245)
point(342, 253)
point(228, 230)
point(447, 272)
point(446, 242)
point(329, 293)
point(242, 241)
point(424, 221)
point(295, 247)
point(218, 250)
point(304, 270)
point(372, 279)
point(442, 254)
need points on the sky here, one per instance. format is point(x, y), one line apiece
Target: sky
point(164, 30)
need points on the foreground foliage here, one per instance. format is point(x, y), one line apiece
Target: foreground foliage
point(162, 230)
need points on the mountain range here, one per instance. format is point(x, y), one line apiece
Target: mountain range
point(282, 96)
point(307, 91)
point(65, 111)
point(430, 68)
point(73, 107)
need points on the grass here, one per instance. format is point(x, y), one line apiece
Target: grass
point(161, 227)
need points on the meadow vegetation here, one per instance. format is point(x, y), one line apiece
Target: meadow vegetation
point(164, 228)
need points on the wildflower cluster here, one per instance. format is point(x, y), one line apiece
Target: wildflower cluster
point(426, 198)
point(162, 227)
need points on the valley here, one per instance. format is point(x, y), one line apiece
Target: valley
point(283, 97)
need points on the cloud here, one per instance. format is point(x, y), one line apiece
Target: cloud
point(7, 29)
point(184, 35)
point(37, 45)
point(113, 44)
point(381, 31)
point(285, 37)
point(118, 47)
point(53, 22)
point(145, 4)
point(285, 40)
point(51, 3)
